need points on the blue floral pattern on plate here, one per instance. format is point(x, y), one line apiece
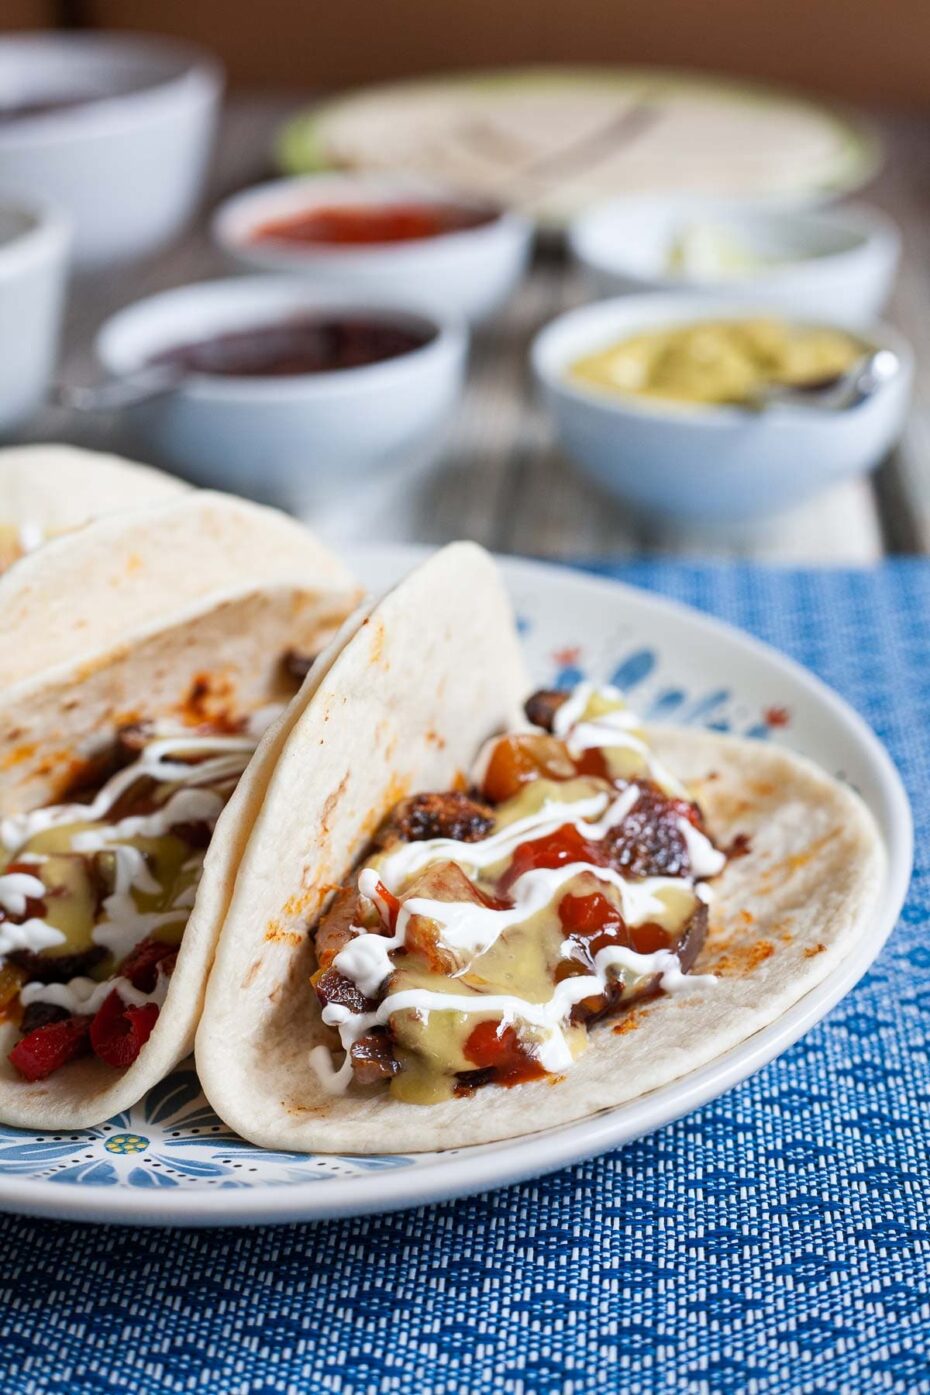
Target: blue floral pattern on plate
point(171, 1138)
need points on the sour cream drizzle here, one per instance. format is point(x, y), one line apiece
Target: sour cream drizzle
point(705, 859)
point(618, 728)
point(154, 761)
point(16, 888)
point(413, 857)
point(86, 996)
point(31, 934)
point(548, 1019)
point(31, 536)
point(124, 925)
point(472, 928)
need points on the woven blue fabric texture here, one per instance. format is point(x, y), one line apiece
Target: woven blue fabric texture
point(777, 1242)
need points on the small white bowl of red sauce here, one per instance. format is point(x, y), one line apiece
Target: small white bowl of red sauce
point(381, 234)
point(282, 391)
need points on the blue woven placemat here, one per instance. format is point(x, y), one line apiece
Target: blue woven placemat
point(777, 1241)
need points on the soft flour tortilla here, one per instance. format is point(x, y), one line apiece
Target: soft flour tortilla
point(398, 711)
point(182, 611)
point(50, 489)
point(404, 708)
point(83, 593)
point(242, 640)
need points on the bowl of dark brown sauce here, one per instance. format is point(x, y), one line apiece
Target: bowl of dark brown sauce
point(282, 391)
point(366, 234)
point(303, 343)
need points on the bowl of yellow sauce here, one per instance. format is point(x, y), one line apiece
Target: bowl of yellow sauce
point(718, 363)
point(665, 401)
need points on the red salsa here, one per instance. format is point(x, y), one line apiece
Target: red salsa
point(302, 344)
point(357, 225)
point(500, 1052)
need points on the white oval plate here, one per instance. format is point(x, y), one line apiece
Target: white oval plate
point(169, 1161)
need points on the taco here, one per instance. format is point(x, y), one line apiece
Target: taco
point(132, 764)
point(453, 924)
point(50, 489)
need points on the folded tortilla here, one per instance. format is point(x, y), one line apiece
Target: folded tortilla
point(85, 592)
point(180, 614)
point(432, 672)
point(50, 489)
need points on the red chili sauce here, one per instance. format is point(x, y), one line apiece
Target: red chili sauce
point(301, 344)
point(368, 224)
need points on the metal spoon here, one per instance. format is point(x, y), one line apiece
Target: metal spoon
point(143, 385)
point(837, 394)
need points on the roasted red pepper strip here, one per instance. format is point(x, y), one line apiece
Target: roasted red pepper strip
point(490, 1048)
point(45, 1050)
point(597, 922)
point(390, 903)
point(141, 967)
point(119, 1030)
point(556, 849)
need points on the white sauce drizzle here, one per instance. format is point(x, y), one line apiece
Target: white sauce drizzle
point(32, 934)
point(31, 536)
point(16, 888)
point(124, 925)
point(410, 858)
point(184, 806)
point(570, 712)
point(153, 761)
point(548, 1018)
point(472, 928)
point(617, 729)
point(705, 859)
point(81, 996)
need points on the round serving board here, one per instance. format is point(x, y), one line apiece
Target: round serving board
point(552, 141)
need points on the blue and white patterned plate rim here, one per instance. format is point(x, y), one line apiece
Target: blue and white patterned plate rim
point(169, 1161)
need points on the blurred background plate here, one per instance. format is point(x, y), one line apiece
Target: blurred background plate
point(552, 141)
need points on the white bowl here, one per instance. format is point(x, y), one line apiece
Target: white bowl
point(299, 441)
point(33, 264)
point(830, 264)
point(705, 464)
point(467, 274)
point(128, 167)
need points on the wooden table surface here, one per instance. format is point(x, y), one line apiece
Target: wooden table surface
point(502, 481)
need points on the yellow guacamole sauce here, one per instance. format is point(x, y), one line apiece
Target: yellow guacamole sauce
point(718, 362)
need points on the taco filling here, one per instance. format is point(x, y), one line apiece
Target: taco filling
point(488, 929)
point(95, 892)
